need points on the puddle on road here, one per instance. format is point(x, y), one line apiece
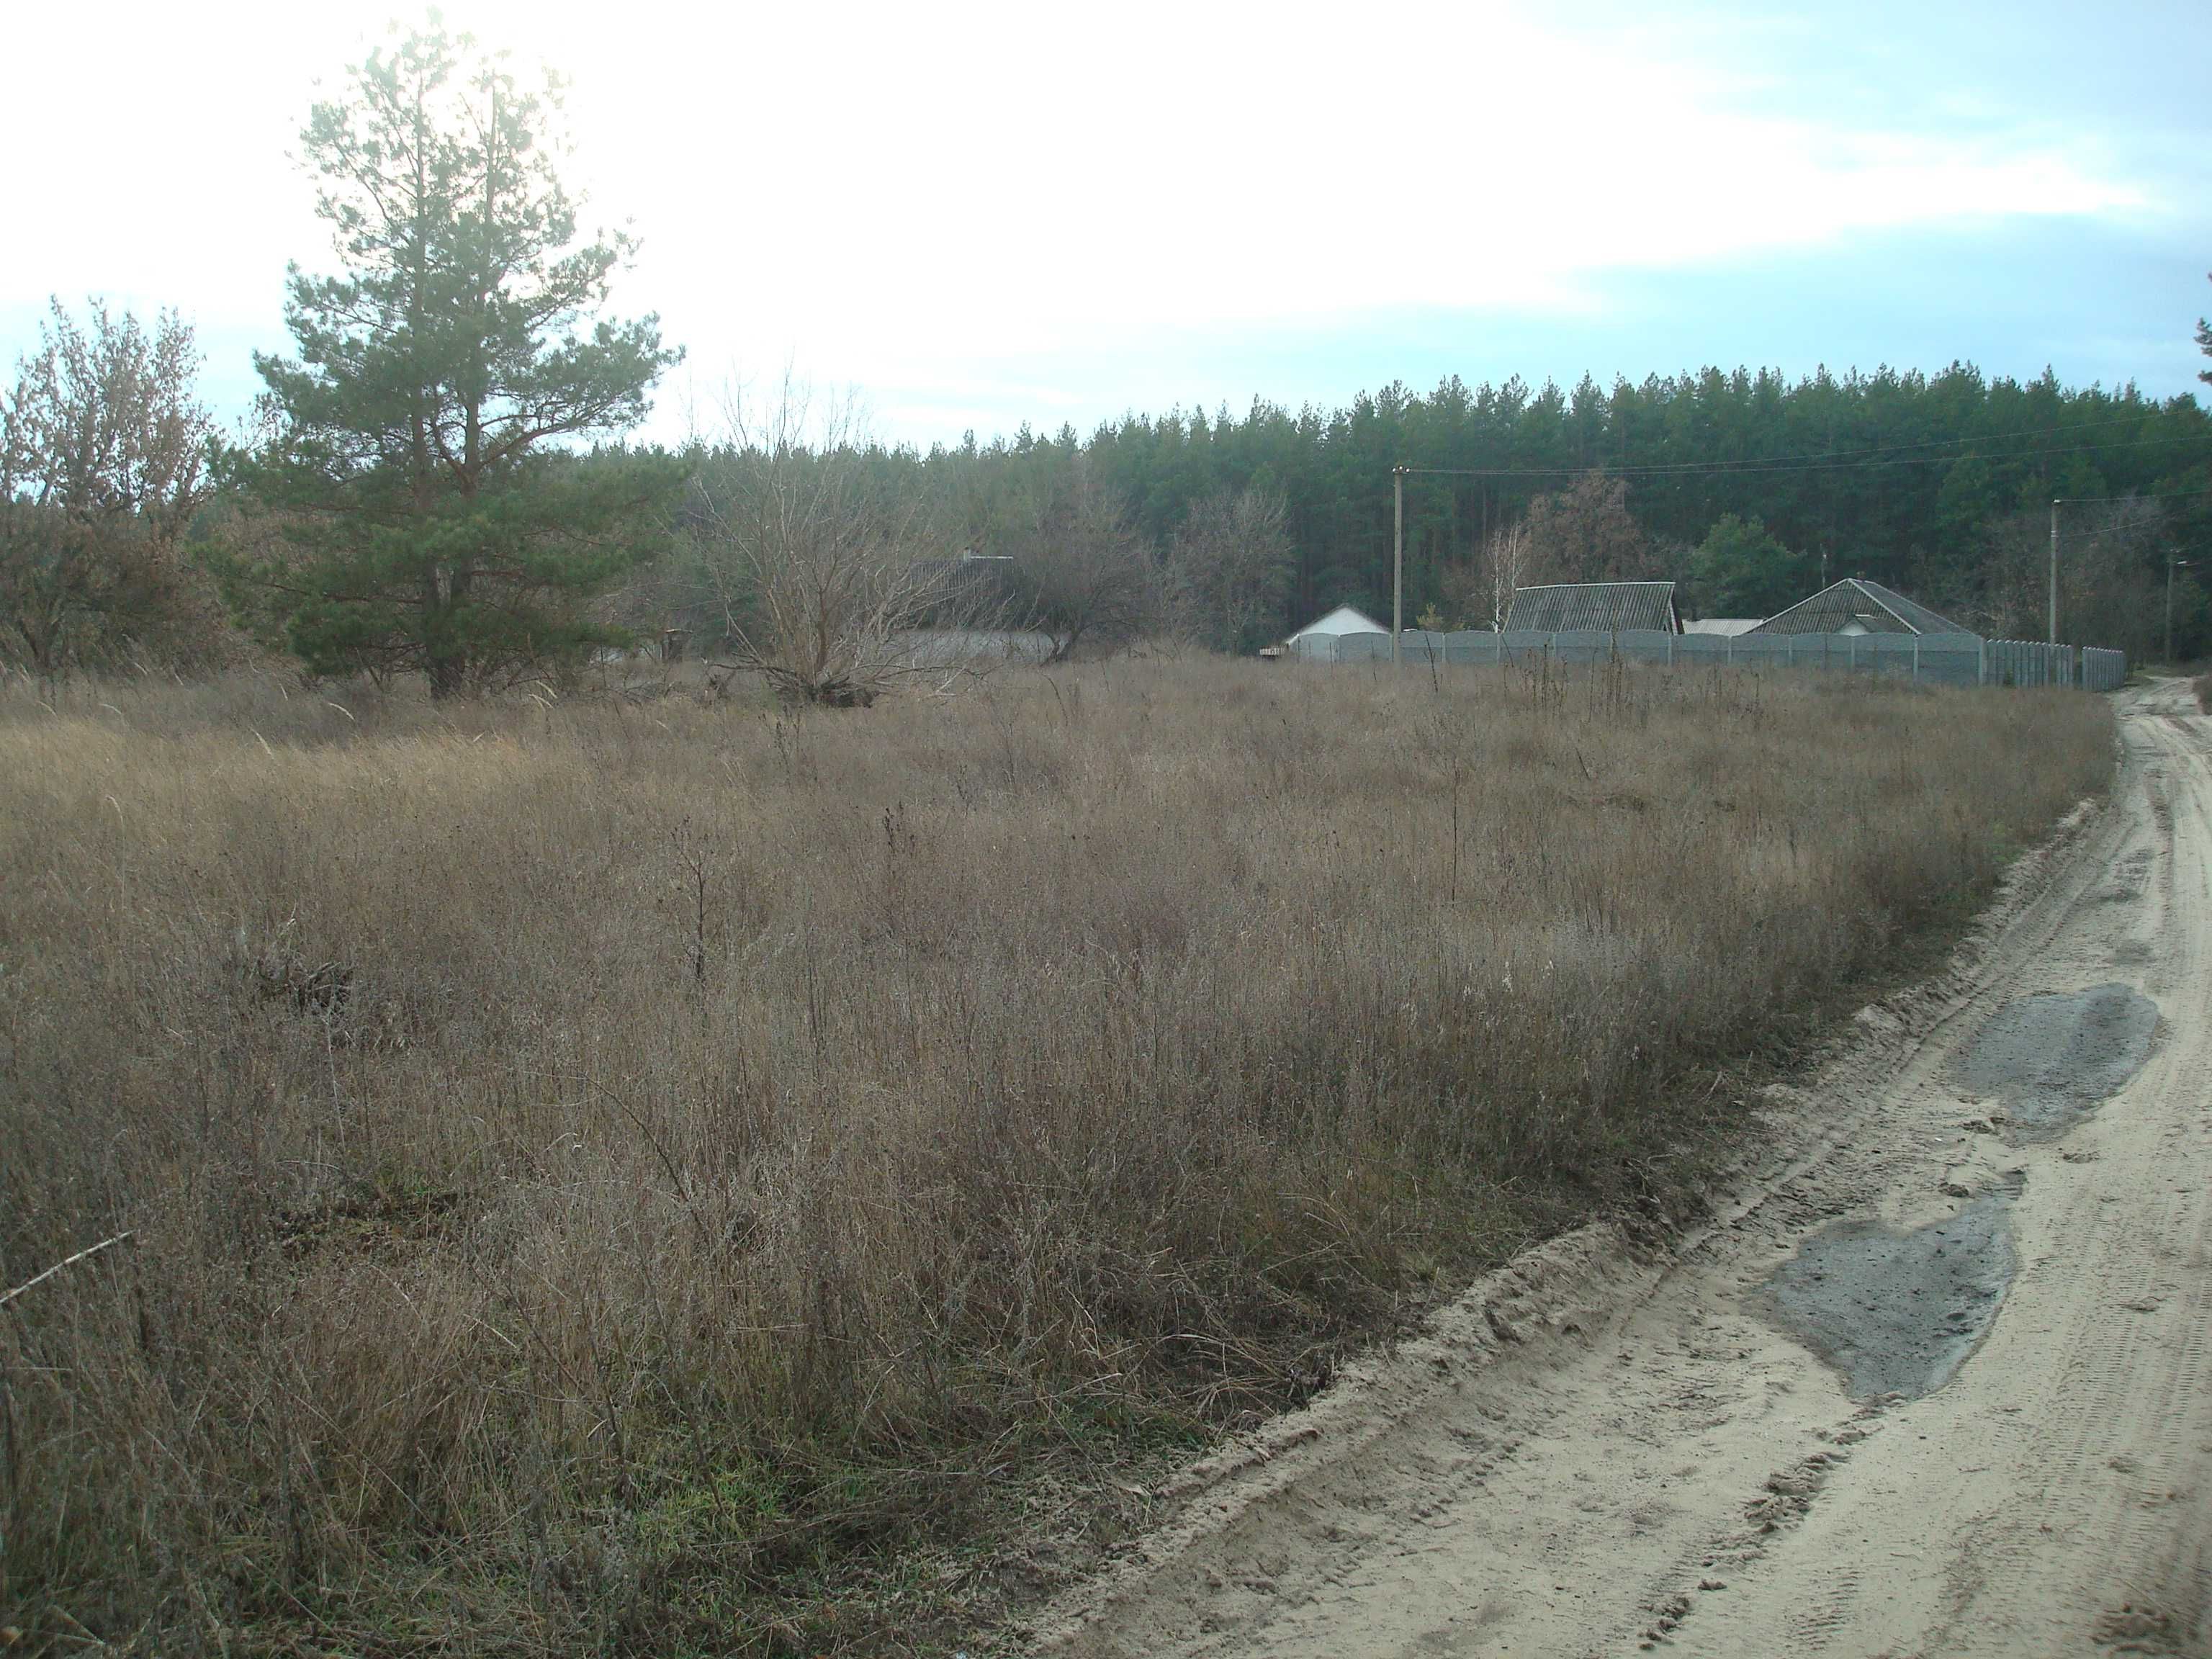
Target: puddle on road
point(2051, 1058)
point(1897, 1312)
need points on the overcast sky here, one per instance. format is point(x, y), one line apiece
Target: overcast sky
point(979, 216)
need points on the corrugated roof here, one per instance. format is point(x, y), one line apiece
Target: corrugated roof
point(1608, 607)
point(1876, 609)
point(1916, 616)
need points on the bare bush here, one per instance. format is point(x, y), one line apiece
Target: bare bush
point(597, 1177)
point(1585, 533)
point(1479, 593)
point(1082, 571)
point(2111, 575)
point(103, 462)
point(1228, 571)
point(820, 569)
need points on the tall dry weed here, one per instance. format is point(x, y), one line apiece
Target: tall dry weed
point(594, 1169)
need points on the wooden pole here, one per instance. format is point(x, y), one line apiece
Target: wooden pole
point(2052, 635)
point(1397, 559)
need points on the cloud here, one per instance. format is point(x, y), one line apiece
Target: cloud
point(974, 202)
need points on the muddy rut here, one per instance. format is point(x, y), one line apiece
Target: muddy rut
point(1936, 1381)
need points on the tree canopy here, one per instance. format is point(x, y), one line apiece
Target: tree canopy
point(103, 453)
point(1741, 569)
point(420, 470)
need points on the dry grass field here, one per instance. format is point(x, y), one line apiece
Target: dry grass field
point(601, 1175)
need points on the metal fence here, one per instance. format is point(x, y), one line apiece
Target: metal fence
point(1921, 659)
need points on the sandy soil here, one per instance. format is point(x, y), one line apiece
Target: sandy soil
point(1936, 1381)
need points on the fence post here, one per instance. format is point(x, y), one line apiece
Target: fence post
point(1981, 661)
point(1916, 658)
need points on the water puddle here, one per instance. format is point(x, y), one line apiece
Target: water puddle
point(2051, 1058)
point(1898, 1312)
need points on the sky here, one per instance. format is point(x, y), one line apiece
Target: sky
point(977, 217)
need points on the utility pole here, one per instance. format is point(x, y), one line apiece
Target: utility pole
point(2172, 565)
point(2053, 634)
point(1397, 560)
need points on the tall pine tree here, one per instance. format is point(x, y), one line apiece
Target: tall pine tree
point(432, 511)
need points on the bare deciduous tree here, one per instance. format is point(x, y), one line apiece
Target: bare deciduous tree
point(1229, 569)
point(820, 573)
point(1083, 573)
point(103, 462)
point(1509, 561)
point(2111, 575)
point(1586, 533)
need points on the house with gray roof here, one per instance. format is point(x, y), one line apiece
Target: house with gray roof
point(1604, 607)
point(1855, 605)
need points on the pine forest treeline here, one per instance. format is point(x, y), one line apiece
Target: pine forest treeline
point(1938, 485)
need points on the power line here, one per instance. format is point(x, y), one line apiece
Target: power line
point(2162, 495)
point(1752, 468)
point(1837, 455)
point(1878, 449)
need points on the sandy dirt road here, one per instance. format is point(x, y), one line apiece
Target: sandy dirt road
point(1935, 1382)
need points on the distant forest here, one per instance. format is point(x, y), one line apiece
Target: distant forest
point(1745, 487)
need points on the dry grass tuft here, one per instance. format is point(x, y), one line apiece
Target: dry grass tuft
point(598, 1171)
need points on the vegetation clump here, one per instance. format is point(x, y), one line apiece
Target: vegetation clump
point(596, 1176)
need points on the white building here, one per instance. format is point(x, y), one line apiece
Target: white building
point(1727, 627)
point(1341, 621)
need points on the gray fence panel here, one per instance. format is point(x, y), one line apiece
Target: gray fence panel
point(1420, 646)
point(1650, 645)
point(1950, 659)
point(1470, 646)
point(1525, 644)
point(1926, 659)
point(1761, 649)
point(1702, 647)
point(1362, 647)
point(1582, 645)
point(2031, 662)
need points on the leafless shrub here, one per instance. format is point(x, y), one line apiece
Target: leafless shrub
point(1585, 533)
point(1228, 571)
point(2111, 575)
point(103, 463)
point(1082, 571)
point(822, 572)
point(1477, 593)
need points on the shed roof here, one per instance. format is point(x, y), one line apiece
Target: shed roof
point(1610, 606)
point(1876, 609)
point(1342, 620)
